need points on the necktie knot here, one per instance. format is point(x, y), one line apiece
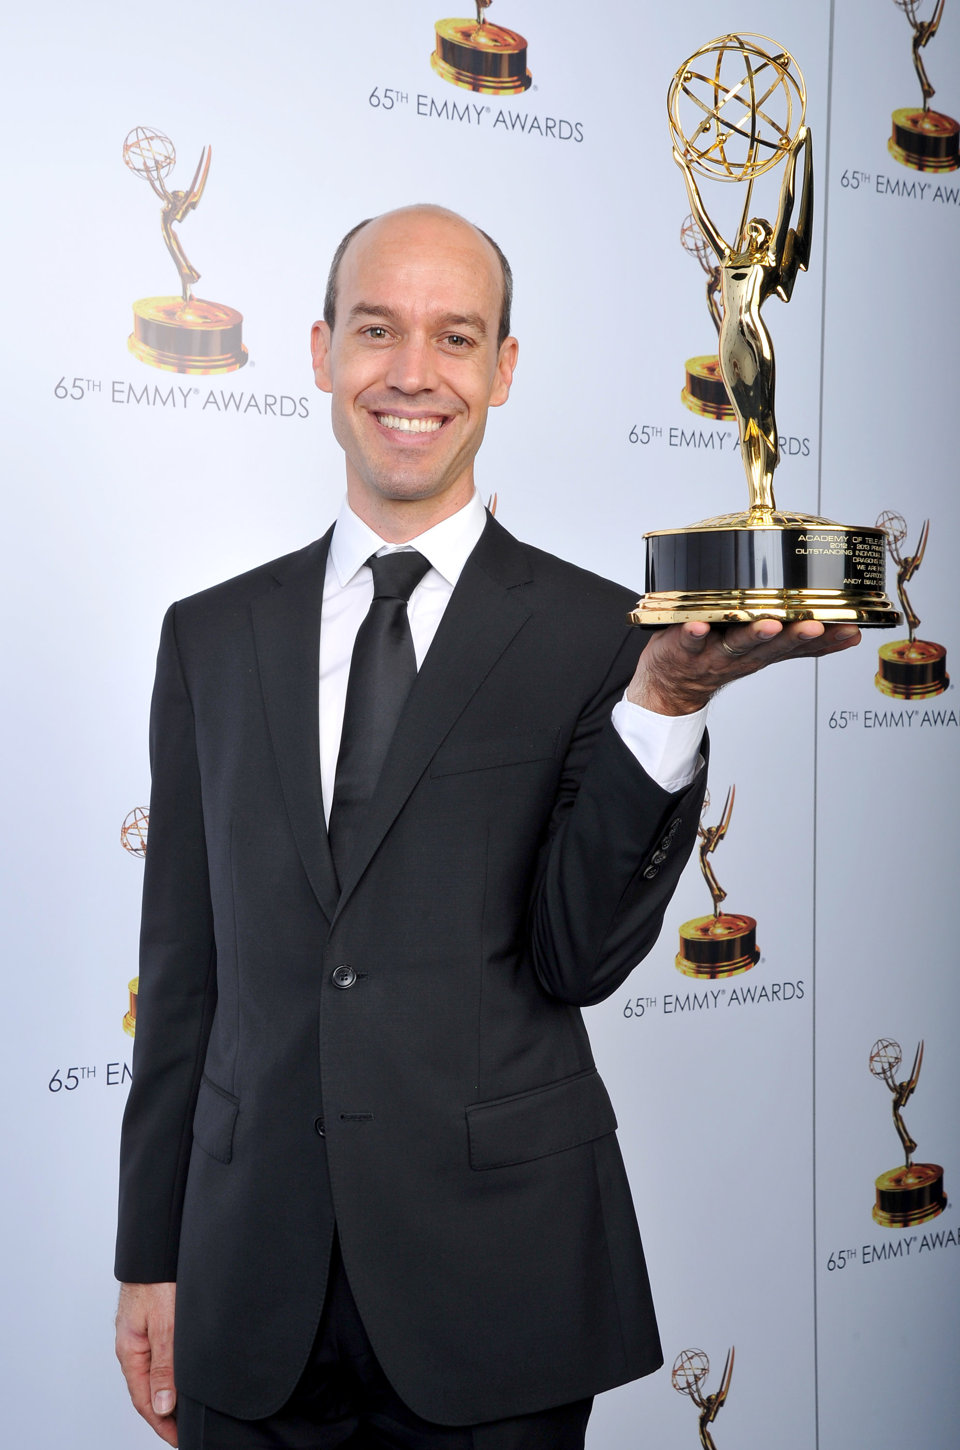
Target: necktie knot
point(396, 575)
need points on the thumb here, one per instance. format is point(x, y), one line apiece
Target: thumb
point(163, 1393)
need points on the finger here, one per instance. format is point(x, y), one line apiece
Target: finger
point(163, 1394)
point(166, 1429)
point(834, 638)
point(135, 1363)
point(800, 637)
point(694, 636)
point(738, 640)
point(807, 629)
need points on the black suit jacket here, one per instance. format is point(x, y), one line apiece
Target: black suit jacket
point(515, 866)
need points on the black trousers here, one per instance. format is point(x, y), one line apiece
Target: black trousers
point(343, 1399)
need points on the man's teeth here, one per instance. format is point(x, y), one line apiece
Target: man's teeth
point(409, 425)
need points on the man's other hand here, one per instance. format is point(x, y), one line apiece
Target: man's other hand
point(681, 667)
point(145, 1351)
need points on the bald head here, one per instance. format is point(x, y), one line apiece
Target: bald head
point(412, 214)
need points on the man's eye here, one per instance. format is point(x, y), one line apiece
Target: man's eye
point(375, 331)
point(456, 339)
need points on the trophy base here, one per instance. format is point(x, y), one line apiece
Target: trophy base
point(718, 946)
point(130, 1018)
point(704, 392)
point(484, 58)
point(194, 337)
point(912, 670)
point(766, 565)
point(906, 1196)
point(925, 140)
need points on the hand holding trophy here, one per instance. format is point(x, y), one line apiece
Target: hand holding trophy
point(736, 111)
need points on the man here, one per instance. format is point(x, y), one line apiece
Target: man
point(365, 1134)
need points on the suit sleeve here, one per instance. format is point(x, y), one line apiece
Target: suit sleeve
point(616, 847)
point(177, 990)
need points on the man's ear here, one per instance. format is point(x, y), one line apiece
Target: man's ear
point(320, 354)
point(506, 362)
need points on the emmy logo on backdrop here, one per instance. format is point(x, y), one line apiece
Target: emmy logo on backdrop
point(133, 832)
point(704, 392)
point(481, 57)
point(724, 944)
point(689, 1375)
point(133, 838)
point(924, 139)
point(736, 110)
point(910, 669)
point(913, 1193)
point(184, 334)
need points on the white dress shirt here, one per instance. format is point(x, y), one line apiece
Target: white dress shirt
point(667, 746)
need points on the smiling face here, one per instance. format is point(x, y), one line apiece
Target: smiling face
point(412, 365)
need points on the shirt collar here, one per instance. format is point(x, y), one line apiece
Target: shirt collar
point(446, 545)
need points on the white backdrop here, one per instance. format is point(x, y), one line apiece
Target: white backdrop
point(752, 1127)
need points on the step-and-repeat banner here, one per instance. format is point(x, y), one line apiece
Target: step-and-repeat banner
point(785, 1063)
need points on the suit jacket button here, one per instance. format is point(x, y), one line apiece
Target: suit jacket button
point(651, 871)
point(658, 857)
point(320, 1129)
point(344, 976)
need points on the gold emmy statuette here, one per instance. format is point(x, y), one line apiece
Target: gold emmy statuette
point(688, 1376)
point(704, 392)
point(133, 832)
point(133, 838)
point(914, 1193)
point(736, 111)
point(130, 1017)
point(923, 139)
point(910, 669)
point(184, 334)
point(724, 944)
point(481, 57)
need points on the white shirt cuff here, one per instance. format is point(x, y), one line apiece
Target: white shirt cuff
point(667, 746)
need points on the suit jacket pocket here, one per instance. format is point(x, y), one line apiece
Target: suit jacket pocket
point(534, 1124)
point(214, 1120)
point(514, 749)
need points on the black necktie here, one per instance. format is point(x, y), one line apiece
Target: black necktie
point(382, 669)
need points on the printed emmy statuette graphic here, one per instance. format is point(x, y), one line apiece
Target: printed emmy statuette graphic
point(689, 1375)
point(911, 668)
point(133, 832)
point(736, 110)
point(724, 944)
point(480, 56)
point(924, 139)
point(914, 1193)
point(704, 391)
point(184, 334)
point(133, 838)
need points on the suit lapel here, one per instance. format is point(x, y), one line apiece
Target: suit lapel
point(484, 614)
point(286, 625)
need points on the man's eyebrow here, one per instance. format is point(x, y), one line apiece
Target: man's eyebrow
point(371, 309)
point(449, 320)
point(467, 319)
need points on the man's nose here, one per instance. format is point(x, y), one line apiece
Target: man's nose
point(412, 366)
